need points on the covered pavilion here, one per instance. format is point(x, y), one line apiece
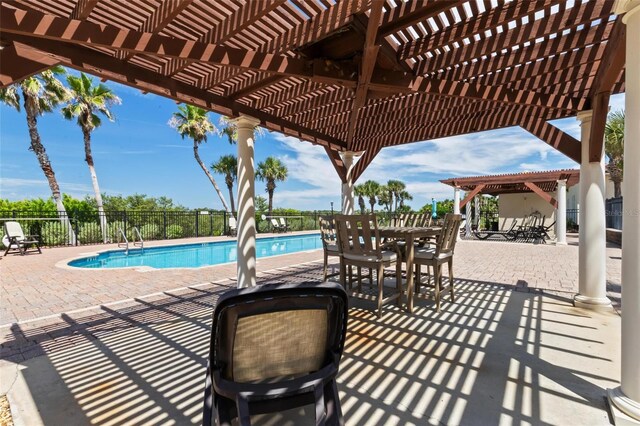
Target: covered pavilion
point(539, 183)
point(357, 76)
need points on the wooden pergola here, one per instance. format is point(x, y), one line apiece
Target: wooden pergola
point(540, 183)
point(355, 76)
point(348, 75)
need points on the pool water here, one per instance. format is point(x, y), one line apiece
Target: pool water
point(196, 255)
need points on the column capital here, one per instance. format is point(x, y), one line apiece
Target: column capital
point(246, 122)
point(628, 7)
point(562, 182)
point(584, 116)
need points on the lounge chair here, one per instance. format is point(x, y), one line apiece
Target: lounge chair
point(276, 227)
point(360, 246)
point(283, 225)
point(17, 240)
point(274, 347)
point(232, 230)
point(436, 257)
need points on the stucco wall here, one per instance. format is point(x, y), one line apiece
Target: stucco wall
point(518, 206)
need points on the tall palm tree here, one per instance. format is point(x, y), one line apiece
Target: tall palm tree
point(271, 170)
point(359, 191)
point(402, 197)
point(193, 122)
point(385, 197)
point(371, 189)
point(229, 130)
point(614, 148)
point(86, 101)
point(395, 187)
point(41, 93)
point(227, 165)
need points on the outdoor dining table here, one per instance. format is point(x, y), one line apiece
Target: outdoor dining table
point(409, 234)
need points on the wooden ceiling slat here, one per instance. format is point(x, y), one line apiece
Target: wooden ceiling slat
point(550, 24)
point(83, 9)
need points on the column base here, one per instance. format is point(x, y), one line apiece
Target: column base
point(624, 410)
point(593, 303)
point(561, 243)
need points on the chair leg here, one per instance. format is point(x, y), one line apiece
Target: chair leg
point(436, 281)
point(453, 298)
point(359, 279)
point(418, 277)
point(343, 273)
point(370, 277)
point(380, 288)
point(399, 283)
point(326, 265)
point(350, 277)
point(332, 404)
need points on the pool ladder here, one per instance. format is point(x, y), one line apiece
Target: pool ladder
point(124, 242)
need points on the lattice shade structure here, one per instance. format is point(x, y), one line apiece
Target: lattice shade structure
point(348, 75)
point(515, 182)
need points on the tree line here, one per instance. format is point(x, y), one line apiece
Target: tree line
point(81, 99)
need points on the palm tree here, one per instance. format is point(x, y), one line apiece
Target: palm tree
point(227, 165)
point(41, 93)
point(614, 148)
point(193, 122)
point(371, 189)
point(229, 129)
point(359, 191)
point(85, 102)
point(395, 187)
point(402, 197)
point(385, 197)
point(271, 170)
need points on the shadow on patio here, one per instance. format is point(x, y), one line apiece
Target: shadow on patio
point(496, 355)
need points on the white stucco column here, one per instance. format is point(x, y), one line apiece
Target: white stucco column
point(561, 213)
point(456, 200)
point(626, 398)
point(592, 245)
point(246, 256)
point(347, 188)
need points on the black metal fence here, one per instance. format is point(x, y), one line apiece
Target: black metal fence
point(572, 220)
point(79, 228)
point(614, 212)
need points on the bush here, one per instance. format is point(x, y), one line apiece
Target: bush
point(53, 234)
point(113, 231)
point(90, 233)
point(174, 231)
point(151, 231)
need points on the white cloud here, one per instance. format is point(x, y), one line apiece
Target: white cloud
point(18, 188)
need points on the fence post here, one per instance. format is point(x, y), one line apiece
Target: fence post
point(224, 222)
point(15, 214)
point(164, 223)
point(124, 221)
point(197, 223)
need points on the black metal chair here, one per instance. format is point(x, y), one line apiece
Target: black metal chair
point(275, 347)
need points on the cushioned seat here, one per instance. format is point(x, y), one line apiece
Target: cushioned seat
point(430, 253)
point(387, 256)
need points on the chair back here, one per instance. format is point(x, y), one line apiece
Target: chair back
point(448, 236)
point(358, 234)
point(275, 223)
point(277, 332)
point(283, 222)
point(14, 230)
point(327, 230)
point(233, 224)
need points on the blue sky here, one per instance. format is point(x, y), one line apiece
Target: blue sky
point(140, 153)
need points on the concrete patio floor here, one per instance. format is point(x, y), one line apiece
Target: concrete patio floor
point(508, 351)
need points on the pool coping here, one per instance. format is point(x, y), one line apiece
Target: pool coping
point(64, 263)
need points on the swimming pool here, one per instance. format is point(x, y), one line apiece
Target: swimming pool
point(195, 255)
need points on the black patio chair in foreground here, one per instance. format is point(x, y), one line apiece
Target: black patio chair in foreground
point(17, 240)
point(276, 347)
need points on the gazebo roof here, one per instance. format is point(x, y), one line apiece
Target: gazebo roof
point(349, 75)
point(515, 182)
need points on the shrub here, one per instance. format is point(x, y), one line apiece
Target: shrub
point(174, 231)
point(151, 231)
point(53, 234)
point(89, 233)
point(113, 232)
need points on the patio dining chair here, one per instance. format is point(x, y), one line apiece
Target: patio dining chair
point(16, 240)
point(274, 347)
point(435, 257)
point(360, 246)
point(329, 242)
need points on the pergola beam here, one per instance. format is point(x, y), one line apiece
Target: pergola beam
point(412, 12)
point(472, 194)
point(105, 66)
point(364, 162)
point(548, 198)
point(338, 163)
point(551, 135)
point(83, 9)
point(18, 63)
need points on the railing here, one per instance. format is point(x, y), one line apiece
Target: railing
point(572, 220)
point(614, 212)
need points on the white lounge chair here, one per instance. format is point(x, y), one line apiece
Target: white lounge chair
point(232, 230)
point(283, 225)
point(17, 240)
